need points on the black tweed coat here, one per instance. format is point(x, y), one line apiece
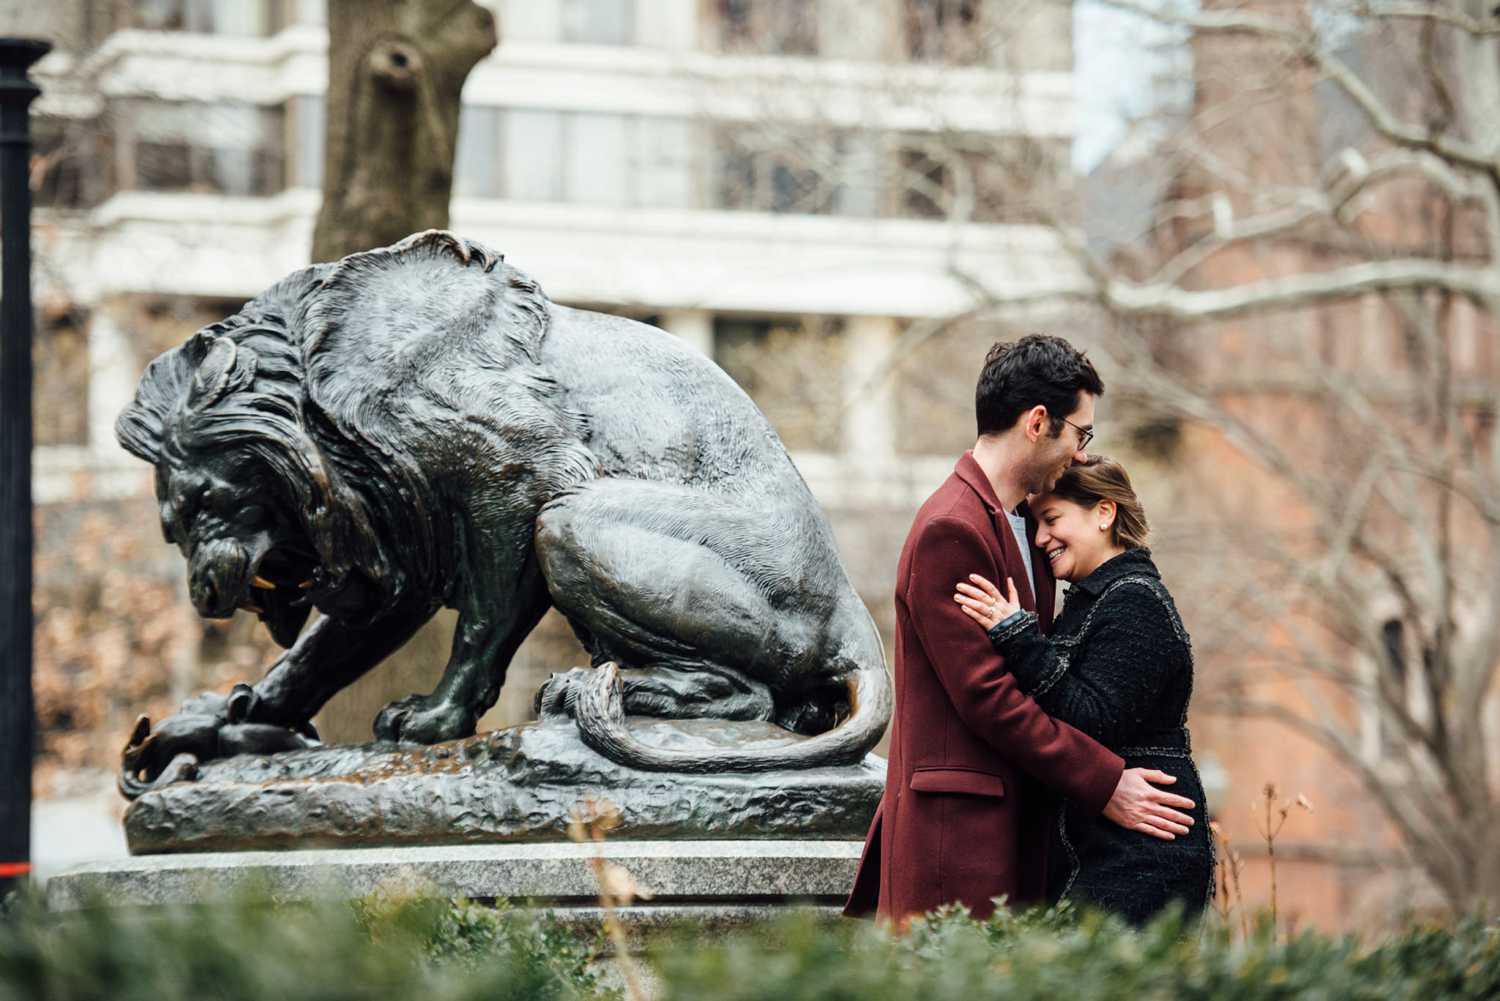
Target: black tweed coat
point(1118, 665)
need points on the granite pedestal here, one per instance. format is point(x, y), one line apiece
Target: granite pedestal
point(718, 883)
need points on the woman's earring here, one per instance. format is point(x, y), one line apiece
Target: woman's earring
point(1103, 528)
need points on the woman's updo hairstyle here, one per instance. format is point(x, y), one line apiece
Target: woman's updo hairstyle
point(1102, 478)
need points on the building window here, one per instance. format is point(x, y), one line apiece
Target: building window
point(925, 183)
point(770, 181)
point(62, 375)
point(587, 159)
point(975, 178)
point(586, 22)
point(767, 170)
point(665, 163)
point(305, 141)
point(65, 162)
point(599, 22)
point(596, 160)
point(1392, 679)
point(792, 367)
point(476, 164)
point(288, 13)
point(1395, 679)
point(943, 30)
point(770, 27)
point(224, 148)
point(530, 20)
point(533, 153)
point(218, 17)
point(939, 180)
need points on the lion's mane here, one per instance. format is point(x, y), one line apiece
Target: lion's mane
point(365, 502)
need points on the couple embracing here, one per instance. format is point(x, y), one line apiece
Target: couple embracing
point(1036, 757)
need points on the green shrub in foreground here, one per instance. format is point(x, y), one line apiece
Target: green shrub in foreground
point(412, 950)
point(1055, 955)
point(444, 950)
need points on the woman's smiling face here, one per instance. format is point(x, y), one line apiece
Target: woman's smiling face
point(1070, 535)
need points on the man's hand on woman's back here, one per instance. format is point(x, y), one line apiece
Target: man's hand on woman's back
point(1138, 805)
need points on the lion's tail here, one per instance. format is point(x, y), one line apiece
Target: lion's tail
point(600, 711)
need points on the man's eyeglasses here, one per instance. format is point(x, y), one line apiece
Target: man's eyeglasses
point(1085, 435)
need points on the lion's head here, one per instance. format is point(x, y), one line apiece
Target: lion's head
point(276, 508)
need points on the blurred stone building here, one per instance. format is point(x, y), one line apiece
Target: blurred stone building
point(768, 180)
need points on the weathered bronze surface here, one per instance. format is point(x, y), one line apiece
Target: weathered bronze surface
point(419, 426)
point(519, 784)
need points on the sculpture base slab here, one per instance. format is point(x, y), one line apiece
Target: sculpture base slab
point(717, 883)
point(521, 784)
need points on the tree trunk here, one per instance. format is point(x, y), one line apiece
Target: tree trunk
point(396, 71)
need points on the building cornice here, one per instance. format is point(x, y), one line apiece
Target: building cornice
point(213, 245)
point(829, 93)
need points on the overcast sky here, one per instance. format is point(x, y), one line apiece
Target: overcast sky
point(1117, 56)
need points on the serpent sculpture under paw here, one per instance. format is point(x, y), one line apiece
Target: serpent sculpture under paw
point(419, 426)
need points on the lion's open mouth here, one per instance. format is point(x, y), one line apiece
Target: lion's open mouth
point(282, 590)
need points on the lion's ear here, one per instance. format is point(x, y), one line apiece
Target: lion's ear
point(225, 367)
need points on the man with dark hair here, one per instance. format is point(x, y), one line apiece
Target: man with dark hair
point(974, 763)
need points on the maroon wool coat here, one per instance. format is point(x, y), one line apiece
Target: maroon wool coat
point(962, 818)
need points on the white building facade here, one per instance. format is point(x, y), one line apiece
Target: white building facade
point(774, 181)
point(718, 167)
point(771, 180)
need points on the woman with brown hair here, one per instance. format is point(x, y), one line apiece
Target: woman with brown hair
point(1118, 665)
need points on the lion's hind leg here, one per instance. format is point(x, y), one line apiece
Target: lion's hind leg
point(640, 574)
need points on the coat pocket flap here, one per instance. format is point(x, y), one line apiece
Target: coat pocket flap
point(959, 780)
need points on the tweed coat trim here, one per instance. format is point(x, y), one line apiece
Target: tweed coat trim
point(1060, 665)
point(1135, 561)
point(1065, 644)
point(1025, 622)
point(1074, 865)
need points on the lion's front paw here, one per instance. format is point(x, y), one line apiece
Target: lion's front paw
point(421, 719)
point(207, 726)
point(559, 691)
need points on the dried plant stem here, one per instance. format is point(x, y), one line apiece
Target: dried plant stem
point(1239, 897)
point(1270, 826)
point(634, 989)
point(1230, 893)
point(617, 888)
point(1271, 850)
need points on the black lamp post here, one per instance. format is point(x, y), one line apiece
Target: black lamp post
point(16, 710)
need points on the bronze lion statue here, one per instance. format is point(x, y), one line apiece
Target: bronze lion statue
point(419, 426)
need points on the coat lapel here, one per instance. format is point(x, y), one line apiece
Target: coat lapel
point(968, 470)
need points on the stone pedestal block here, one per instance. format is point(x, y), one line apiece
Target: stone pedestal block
point(515, 785)
point(718, 883)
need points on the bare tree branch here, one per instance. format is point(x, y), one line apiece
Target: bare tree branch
point(1260, 227)
point(1306, 45)
point(1423, 834)
point(1400, 163)
point(1480, 28)
point(1291, 292)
